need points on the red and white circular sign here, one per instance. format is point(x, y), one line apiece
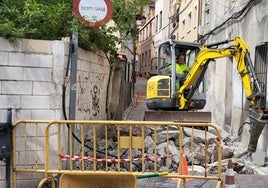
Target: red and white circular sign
point(93, 13)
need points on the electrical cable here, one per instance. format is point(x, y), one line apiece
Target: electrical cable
point(108, 87)
point(240, 130)
point(235, 15)
point(66, 80)
point(64, 106)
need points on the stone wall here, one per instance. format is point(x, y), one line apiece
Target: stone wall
point(32, 73)
point(31, 78)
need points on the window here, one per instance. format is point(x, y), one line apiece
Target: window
point(149, 57)
point(142, 60)
point(146, 32)
point(156, 23)
point(183, 27)
point(150, 29)
point(206, 15)
point(146, 59)
point(160, 20)
point(260, 65)
point(195, 17)
point(189, 22)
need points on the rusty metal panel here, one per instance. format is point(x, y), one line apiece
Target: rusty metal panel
point(178, 116)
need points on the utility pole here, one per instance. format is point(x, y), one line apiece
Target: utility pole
point(85, 16)
point(73, 86)
point(134, 61)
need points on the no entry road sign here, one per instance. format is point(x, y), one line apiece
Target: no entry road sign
point(93, 13)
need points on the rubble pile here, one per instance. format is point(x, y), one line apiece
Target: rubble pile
point(200, 150)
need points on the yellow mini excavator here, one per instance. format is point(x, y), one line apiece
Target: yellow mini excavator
point(167, 101)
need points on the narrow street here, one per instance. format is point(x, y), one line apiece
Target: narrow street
point(136, 110)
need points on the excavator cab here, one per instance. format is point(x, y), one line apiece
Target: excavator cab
point(162, 89)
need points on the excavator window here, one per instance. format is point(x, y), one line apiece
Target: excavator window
point(167, 50)
point(190, 53)
point(190, 57)
point(164, 58)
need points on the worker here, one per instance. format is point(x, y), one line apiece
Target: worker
point(181, 67)
point(181, 70)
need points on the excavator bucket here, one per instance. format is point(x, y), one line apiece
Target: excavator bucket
point(259, 117)
point(94, 180)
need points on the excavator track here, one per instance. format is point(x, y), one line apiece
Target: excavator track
point(178, 116)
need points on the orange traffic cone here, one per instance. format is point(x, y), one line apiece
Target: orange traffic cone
point(229, 178)
point(138, 98)
point(183, 167)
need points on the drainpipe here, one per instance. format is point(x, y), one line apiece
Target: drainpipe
point(134, 65)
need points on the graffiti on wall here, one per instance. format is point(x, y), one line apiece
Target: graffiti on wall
point(95, 97)
point(90, 93)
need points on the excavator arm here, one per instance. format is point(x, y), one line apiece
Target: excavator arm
point(208, 53)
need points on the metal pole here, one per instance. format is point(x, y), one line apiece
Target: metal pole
point(8, 159)
point(134, 65)
point(73, 87)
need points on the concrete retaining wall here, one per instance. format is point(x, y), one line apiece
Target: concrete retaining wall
point(32, 73)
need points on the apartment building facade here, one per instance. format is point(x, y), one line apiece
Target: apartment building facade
point(145, 41)
point(156, 29)
point(186, 19)
point(162, 20)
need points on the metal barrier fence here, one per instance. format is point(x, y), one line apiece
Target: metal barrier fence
point(92, 151)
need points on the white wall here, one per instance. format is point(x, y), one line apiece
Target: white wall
point(30, 79)
point(162, 34)
point(252, 27)
point(32, 73)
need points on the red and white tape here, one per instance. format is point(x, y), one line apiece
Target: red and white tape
point(114, 160)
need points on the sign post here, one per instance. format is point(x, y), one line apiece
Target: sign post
point(93, 13)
